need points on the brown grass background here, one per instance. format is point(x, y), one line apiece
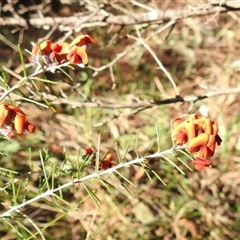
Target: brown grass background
point(202, 55)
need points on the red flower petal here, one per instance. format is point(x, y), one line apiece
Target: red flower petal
point(201, 163)
point(204, 152)
point(178, 121)
point(195, 143)
point(108, 157)
point(207, 127)
point(14, 108)
point(45, 45)
point(55, 47)
point(77, 55)
point(30, 127)
point(35, 50)
point(19, 123)
point(3, 114)
point(82, 40)
point(190, 131)
point(180, 128)
point(88, 151)
point(181, 138)
point(64, 48)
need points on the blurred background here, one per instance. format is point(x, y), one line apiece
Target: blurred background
point(110, 102)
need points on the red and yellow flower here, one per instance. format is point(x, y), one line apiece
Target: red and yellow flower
point(77, 55)
point(200, 135)
point(51, 53)
point(104, 164)
point(82, 41)
point(107, 162)
point(14, 118)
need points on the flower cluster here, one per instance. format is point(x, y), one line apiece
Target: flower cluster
point(12, 118)
point(200, 135)
point(105, 163)
point(52, 54)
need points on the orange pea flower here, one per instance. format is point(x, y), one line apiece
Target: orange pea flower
point(14, 118)
point(104, 164)
point(55, 51)
point(107, 162)
point(195, 143)
point(64, 50)
point(204, 152)
point(82, 41)
point(200, 136)
point(77, 55)
point(180, 137)
point(51, 53)
point(58, 54)
point(89, 151)
point(41, 52)
point(43, 48)
point(77, 50)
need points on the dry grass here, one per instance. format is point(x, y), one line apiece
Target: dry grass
point(202, 55)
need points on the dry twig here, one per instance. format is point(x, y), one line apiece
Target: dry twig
point(102, 18)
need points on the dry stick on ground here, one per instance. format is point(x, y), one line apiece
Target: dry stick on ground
point(129, 49)
point(22, 81)
point(139, 18)
point(140, 104)
point(102, 19)
point(140, 40)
